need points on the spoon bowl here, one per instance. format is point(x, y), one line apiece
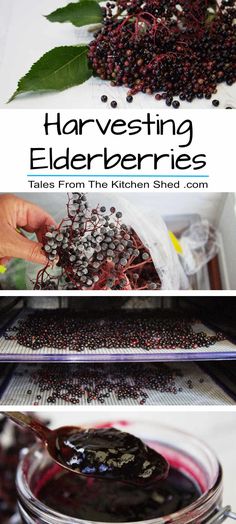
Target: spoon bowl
point(107, 453)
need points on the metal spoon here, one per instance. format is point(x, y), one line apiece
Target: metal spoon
point(99, 453)
point(47, 436)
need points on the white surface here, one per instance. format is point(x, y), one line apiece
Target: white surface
point(25, 35)
point(217, 429)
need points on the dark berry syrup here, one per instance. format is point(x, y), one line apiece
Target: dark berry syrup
point(105, 501)
point(109, 453)
point(91, 499)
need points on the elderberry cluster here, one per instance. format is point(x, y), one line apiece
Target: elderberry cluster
point(93, 249)
point(169, 48)
point(65, 330)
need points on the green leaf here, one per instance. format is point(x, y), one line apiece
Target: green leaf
point(81, 13)
point(57, 70)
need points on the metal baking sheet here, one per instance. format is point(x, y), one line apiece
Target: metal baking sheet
point(205, 390)
point(11, 351)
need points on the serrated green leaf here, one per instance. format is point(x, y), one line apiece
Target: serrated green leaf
point(58, 69)
point(81, 13)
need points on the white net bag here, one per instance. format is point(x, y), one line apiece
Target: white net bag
point(200, 243)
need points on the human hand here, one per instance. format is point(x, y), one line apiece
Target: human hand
point(18, 213)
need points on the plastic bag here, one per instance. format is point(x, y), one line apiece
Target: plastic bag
point(154, 236)
point(200, 243)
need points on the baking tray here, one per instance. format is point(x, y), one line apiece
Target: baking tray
point(11, 351)
point(204, 392)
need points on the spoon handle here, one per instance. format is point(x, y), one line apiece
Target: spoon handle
point(28, 422)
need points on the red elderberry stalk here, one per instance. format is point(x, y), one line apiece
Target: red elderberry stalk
point(93, 249)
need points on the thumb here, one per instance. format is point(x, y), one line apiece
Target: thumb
point(28, 250)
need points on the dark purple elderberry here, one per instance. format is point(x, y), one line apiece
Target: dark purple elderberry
point(169, 100)
point(61, 329)
point(175, 104)
point(129, 99)
point(183, 56)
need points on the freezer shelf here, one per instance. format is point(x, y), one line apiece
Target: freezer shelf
point(204, 390)
point(11, 351)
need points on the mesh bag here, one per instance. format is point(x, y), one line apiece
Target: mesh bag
point(200, 243)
